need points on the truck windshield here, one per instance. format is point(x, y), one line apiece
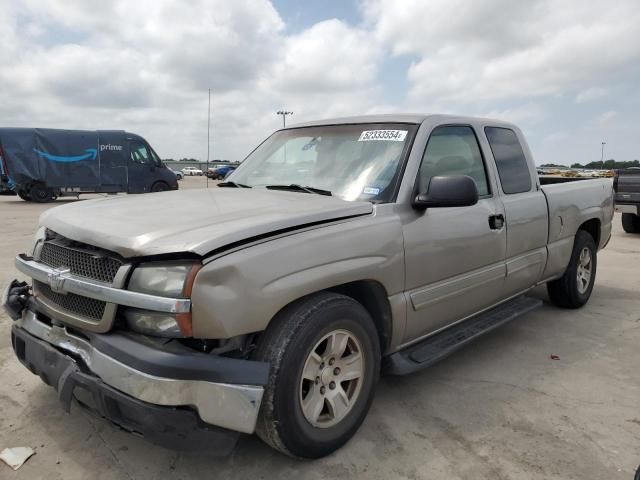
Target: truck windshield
point(353, 162)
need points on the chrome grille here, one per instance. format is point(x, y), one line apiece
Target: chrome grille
point(76, 304)
point(82, 260)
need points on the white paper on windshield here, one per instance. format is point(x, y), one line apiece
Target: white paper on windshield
point(384, 135)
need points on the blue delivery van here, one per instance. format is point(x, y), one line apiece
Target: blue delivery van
point(41, 164)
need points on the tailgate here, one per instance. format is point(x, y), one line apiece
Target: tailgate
point(627, 186)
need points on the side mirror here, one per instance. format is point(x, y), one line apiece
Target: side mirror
point(449, 191)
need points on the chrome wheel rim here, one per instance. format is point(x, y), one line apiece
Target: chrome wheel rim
point(331, 379)
point(585, 269)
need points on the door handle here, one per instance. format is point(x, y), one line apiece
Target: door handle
point(496, 222)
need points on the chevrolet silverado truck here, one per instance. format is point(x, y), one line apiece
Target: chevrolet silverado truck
point(337, 250)
point(626, 184)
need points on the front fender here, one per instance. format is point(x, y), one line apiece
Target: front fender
point(240, 292)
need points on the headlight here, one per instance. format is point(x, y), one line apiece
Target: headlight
point(40, 237)
point(157, 324)
point(166, 279)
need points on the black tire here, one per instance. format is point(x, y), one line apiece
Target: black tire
point(39, 193)
point(159, 187)
point(565, 292)
point(24, 195)
point(631, 223)
point(286, 344)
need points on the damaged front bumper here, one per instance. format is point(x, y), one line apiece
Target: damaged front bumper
point(175, 397)
point(15, 298)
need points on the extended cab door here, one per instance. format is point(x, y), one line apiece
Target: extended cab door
point(525, 206)
point(455, 257)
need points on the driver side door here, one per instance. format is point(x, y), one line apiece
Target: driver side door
point(141, 167)
point(455, 256)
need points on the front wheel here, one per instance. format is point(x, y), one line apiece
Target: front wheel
point(159, 187)
point(324, 353)
point(574, 288)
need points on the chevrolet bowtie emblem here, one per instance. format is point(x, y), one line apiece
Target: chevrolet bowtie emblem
point(56, 279)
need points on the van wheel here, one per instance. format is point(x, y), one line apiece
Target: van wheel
point(324, 353)
point(574, 288)
point(24, 195)
point(159, 187)
point(40, 193)
point(631, 223)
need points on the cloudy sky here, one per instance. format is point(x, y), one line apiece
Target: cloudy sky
point(568, 72)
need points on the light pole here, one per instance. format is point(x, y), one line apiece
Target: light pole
point(208, 137)
point(284, 114)
point(602, 155)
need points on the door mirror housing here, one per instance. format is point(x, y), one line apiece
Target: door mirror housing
point(448, 191)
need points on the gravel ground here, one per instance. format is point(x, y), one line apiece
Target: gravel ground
point(499, 409)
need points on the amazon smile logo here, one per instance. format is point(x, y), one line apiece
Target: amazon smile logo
point(91, 153)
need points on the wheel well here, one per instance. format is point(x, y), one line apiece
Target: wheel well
point(157, 182)
point(373, 297)
point(592, 227)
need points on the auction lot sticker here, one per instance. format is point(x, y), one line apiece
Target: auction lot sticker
point(384, 135)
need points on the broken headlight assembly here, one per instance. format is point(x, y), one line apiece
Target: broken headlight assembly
point(165, 279)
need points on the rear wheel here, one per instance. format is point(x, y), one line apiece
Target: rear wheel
point(325, 361)
point(631, 223)
point(40, 193)
point(159, 187)
point(574, 288)
point(24, 195)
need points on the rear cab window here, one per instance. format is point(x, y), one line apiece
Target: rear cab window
point(511, 162)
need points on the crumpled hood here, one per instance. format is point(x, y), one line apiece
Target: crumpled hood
point(197, 221)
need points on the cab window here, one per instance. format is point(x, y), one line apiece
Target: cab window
point(155, 158)
point(140, 154)
point(512, 165)
point(453, 150)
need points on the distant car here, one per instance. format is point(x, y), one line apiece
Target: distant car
point(178, 174)
point(220, 172)
point(191, 171)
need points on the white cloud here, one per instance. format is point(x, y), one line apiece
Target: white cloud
point(606, 118)
point(496, 50)
point(590, 94)
point(145, 66)
point(329, 56)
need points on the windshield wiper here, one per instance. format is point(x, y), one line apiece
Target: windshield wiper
point(233, 184)
point(294, 187)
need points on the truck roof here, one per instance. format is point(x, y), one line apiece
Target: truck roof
point(415, 118)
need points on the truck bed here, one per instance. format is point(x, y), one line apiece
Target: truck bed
point(571, 203)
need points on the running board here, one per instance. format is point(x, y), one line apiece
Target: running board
point(436, 347)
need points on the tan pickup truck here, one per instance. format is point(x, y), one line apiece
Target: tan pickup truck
point(337, 250)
